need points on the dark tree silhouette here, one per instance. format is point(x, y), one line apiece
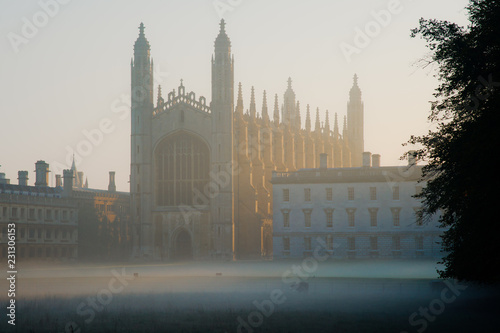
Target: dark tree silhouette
point(462, 151)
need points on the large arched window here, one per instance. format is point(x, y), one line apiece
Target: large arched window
point(182, 165)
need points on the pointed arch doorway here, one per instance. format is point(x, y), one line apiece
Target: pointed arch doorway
point(183, 246)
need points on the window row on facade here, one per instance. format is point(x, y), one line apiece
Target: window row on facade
point(349, 195)
point(36, 214)
point(34, 234)
point(351, 217)
point(372, 245)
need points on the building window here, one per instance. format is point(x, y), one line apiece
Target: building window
point(40, 215)
point(307, 243)
point(329, 194)
point(373, 193)
point(182, 166)
point(31, 233)
point(307, 194)
point(395, 193)
point(396, 243)
point(350, 216)
point(329, 218)
point(419, 243)
point(351, 243)
point(373, 243)
point(13, 212)
point(307, 217)
point(48, 234)
point(395, 216)
point(22, 232)
point(418, 190)
point(48, 214)
point(350, 193)
point(419, 219)
point(286, 219)
point(286, 244)
point(31, 214)
point(329, 242)
point(286, 194)
point(373, 216)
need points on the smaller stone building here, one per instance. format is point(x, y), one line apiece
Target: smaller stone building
point(362, 212)
point(45, 221)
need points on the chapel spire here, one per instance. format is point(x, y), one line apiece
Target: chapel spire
point(336, 128)
point(265, 114)
point(276, 116)
point(253, 109)
point(308, 119)
point(327, 124)
point(317, 126)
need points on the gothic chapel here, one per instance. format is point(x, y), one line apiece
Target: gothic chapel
point(200, 170)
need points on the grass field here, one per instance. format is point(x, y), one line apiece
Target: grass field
point(247, 297)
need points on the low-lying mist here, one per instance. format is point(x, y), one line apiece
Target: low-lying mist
point(282, 296)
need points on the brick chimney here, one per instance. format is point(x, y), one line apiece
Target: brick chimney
point(42, 173)
point(112, 185)
point(68, 182)
point(22, 176)
point(367, 159)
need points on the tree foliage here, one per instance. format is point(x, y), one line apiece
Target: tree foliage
point(462, 151)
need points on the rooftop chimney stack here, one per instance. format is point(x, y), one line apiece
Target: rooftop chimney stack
point(58, 181)
point(42, 173)
point(367, 157)
point(22, 176)
point(68, 182)
point(376, 160)
point(4, 180)
point(323, 161)
point(112, 185)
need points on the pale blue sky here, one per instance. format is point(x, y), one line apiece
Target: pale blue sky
point(74, 72)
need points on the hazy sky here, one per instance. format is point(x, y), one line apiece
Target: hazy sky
point(70, 75)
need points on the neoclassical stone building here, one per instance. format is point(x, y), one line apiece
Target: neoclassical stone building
point(364, 212)
point(201, 170)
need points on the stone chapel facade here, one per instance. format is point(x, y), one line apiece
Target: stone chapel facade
point(200, 170)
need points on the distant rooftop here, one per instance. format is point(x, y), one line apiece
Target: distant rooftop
point(44, 191)
point(349, 175)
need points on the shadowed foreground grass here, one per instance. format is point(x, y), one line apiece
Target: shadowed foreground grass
point(473, 311)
